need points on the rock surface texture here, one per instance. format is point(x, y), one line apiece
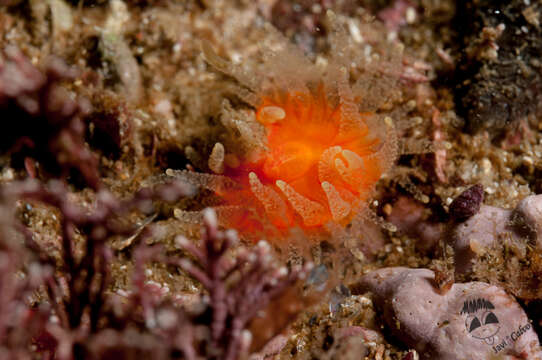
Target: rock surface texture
point(498, 75)
point(471, 321)
point(492, 226)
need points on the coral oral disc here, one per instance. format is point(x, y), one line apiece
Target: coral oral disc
point(289, 161)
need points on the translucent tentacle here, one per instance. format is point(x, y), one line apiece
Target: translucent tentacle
point(274, 205)
point(351, 122)
point(227, 67)
point(271, 114)
point(368, 214)
point(338, 207)
point(215, 183)
point(387, 149)
point(224, 213)
point(216, 159)
point(312, 212)
point(422, 146)
point(189, 217)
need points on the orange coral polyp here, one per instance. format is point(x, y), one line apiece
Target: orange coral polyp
point(321, 164)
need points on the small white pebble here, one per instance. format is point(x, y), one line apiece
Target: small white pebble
point(236, 58)
point(167, 319)
point(123, 293)
point(354, 31)
point(264, 245)
point(416, 120)
point(246, 339)
point(9, 174)
point(486, 166)
point(528, 160)
point(367, 51)
point(410, 15)
point(163, 107)
point(185, 263)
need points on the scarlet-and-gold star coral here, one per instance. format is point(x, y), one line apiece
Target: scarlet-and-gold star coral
point(314, 145)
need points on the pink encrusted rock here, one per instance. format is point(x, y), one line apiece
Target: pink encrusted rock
point(480, 231)
point(492, 225)
point(528, 215)
point(471, 321)
point(409, 216)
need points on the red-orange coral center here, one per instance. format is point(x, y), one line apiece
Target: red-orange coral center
point(321, 164)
